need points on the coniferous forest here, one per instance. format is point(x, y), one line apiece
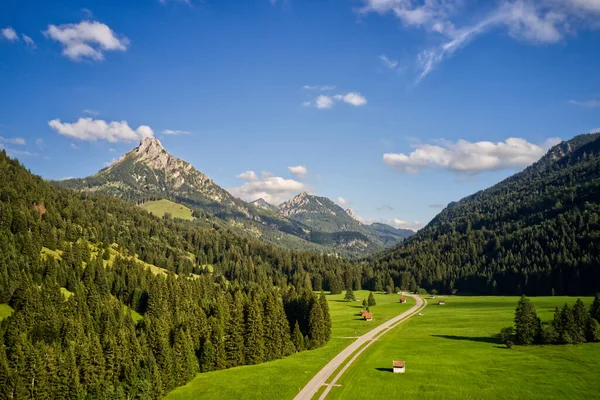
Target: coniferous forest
point(537, 232)
point(72, 333)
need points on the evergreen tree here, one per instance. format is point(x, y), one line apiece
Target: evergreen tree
point(568, 328)
point(595, 308)
point(580, 319)
point(527, 324)
point(254, 336)
point(316, 326)
point(234, 331)
point(371, 300)
point(297, 338)
point(349, 295)
point(326, 316)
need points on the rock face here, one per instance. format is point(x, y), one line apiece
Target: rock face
point(149, 171)
point(262, 203)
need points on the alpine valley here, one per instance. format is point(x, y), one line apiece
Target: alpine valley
point(148, 173)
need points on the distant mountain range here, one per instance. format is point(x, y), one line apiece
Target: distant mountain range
point(149, 172)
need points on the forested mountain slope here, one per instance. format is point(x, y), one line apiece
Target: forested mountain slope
point(68, 269)
point(537, 232)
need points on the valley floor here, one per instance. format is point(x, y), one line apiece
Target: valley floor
point(283, 379)
point(452, 352)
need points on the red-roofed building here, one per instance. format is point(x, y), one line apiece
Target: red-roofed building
point(368, 316)
point(398, 367)
point(402, 299)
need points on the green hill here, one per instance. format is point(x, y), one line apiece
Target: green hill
point(537, 232)
point(164, 206)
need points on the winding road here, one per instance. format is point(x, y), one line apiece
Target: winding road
point(320, 379)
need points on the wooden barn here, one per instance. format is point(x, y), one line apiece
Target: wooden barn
point(402, 299)
point(398, 367)
point(441, 302)
point(368, 316)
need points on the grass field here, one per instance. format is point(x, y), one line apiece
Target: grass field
point(282, 379)
point(5, 311)
point(452, 352)
point(161, 207)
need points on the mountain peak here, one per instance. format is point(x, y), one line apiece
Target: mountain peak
point(150, 144)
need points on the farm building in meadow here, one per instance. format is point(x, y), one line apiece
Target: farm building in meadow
point(431, 296)
point(402, 299)
point(358, 299)
point(441, 302)
point(398, 367)
point(363, 312)
point(368, 316)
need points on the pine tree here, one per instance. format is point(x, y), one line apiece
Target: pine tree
point(234, 331)
point(297, 338)
point(254, 336)
point(326, 316)
point(316, 326)
point(595, 308)
point(527, 324)
point(371, 300)
point(567, 324)
point(580, 319)
point(349, 295)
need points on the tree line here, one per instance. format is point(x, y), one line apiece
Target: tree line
point(570, 325)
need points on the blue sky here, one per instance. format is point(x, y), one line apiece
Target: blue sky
point(393, 107)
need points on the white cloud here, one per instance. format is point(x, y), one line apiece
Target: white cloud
point(391, 64)
point(342, 201)
point(299, 171)
point(587, 103)
point(91, 112)
point(28, 41)
point(174, 132)
point(17, 140)
point(401, 224)
point(74, 146)
point(325, 102)
point(9, 34)
point(354, 99)
point(532, 21)
point(91, 129)
point(86, 40)
point(273, 189)
point(468, 157)
point(321, 88)
point(248, 176)
point(111, 150)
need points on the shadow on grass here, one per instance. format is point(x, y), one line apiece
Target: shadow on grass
point(384, 369)
point(480, 339)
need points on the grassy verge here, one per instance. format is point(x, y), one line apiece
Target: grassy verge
point(161, 207)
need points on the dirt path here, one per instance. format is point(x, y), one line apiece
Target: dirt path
point(312, 387)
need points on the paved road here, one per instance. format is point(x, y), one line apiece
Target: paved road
point(367, 339)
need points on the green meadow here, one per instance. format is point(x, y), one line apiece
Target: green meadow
point(161, 207)
point(282, 379)
point(452, 352)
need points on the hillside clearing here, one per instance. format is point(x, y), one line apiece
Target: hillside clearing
point(163, 206)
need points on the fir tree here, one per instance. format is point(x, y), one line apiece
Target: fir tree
point(349, 295)
point(595, 308)
point(527, 324)
point(316, 326)
point(297, 338)
point(371, 300)
point(254, 336)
